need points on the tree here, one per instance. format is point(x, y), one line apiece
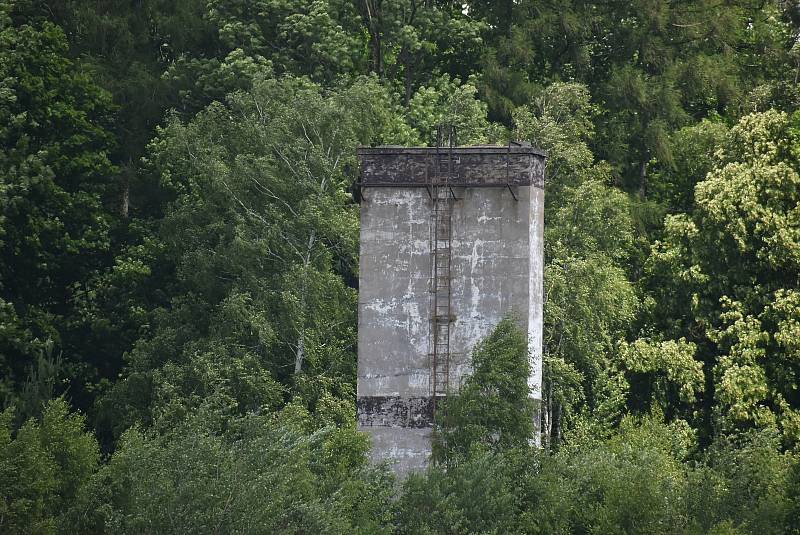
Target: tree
point(448, 101)
point(43, 469)
point(413, 41)
point(692, 148)
point(653, 67)
point(732, 263)
point(127, 47)
point(262, 237)
point(321, 40)
point(794, 496)
point(743, 483)
point(255, 474)
point(529, 45)
point(56, 177)
point(494, 407)
point(477, 495)
point(590, 303)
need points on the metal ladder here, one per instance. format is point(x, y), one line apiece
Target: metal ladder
point(441, 181)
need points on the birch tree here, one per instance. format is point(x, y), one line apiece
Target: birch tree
point(263, 235)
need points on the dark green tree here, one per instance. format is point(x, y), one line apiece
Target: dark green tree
point(413, 41)
point(652, 65)
point(55, 179)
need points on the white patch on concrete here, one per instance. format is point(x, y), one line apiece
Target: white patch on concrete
point(381, 307)
point(536, 292)
point(420, 379)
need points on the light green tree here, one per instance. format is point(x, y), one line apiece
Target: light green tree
point(262, 235)
point(448, 101)
point(248, 39)
point(732, 264)
point(44, 467)
point(590, 303)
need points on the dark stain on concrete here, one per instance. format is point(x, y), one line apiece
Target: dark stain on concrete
point(395, 411)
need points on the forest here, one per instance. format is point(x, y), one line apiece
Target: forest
point(179, 264)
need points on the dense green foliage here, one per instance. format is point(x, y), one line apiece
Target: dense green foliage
point(178, 264)
point(733, 261)
point(55, 225)
point(637, 482)
point(44, 468)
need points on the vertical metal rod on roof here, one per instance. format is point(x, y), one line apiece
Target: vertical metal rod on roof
point(508, 176)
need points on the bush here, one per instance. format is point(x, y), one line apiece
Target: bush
point(645, 479)
point(258, 474)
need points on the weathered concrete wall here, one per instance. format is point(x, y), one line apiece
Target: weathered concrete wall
point(496, 271)
point(394, 299)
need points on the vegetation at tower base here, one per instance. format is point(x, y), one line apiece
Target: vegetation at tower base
point(178, 280)
point(644, 479)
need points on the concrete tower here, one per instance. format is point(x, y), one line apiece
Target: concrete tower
point(451, 242)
